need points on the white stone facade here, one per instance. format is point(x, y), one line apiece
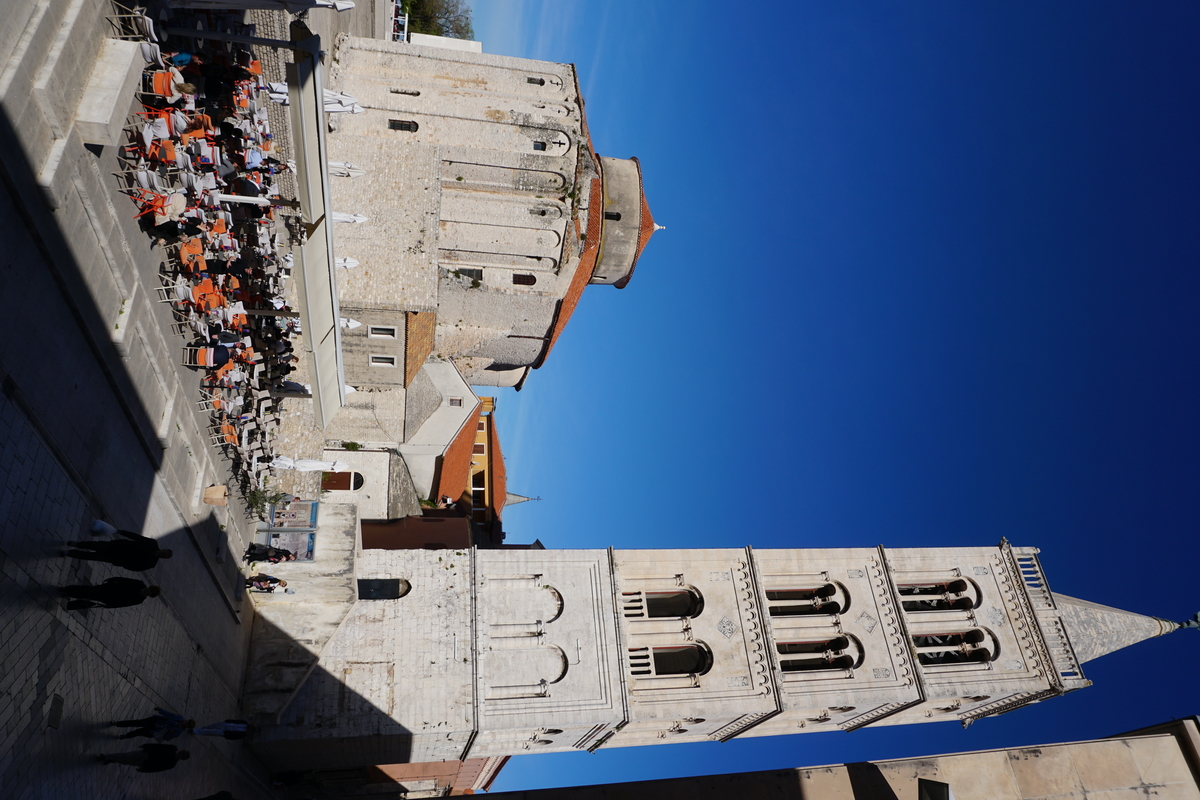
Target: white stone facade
point(473, 167)
point(499, 652)
point(479, 184)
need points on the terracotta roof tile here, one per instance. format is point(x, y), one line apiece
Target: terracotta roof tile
point(583, 273)
point(420, 328)
point(456, 461)
point(645, 231)
point(496, 468)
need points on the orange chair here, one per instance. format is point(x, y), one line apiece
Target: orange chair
point(150, 201)
point(190, 251)
point(198, 357)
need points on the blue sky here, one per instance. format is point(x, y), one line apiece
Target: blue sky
point(929, 278)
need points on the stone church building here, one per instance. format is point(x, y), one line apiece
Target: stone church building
point(455, 654)
point(489, 211)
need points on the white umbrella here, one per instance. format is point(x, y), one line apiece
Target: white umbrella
point(309, 465)
point(346, 262)
point(345, 169)
point(346, 322)
point(341, 216)
point(338, 102)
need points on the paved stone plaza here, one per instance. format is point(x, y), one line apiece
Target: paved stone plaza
point(98, 419)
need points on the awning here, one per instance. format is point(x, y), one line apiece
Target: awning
point(313, 267)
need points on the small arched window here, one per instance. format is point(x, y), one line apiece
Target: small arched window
point(536, 81)
point(615, 216)
point(814, 655)
point(539, 146)
point(403, 125)
point(803, 602)
point(522, 279)
point(682, 603)
point(955, 595)
point(955, 647)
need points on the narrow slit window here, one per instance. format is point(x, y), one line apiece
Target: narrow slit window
point(539, 145)
point(536, 81)
point(409, 92)
point(615, 216)
point(523, 279)
point(403, 125)
point(382, 332)
point(383, 361)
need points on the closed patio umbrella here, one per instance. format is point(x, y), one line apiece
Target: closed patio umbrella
point(309, 465)
point(345, 169)
point(341, 216)
point(346, 262)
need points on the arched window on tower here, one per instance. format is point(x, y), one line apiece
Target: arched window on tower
point(403, 125)
point(682, 603)
point(685, 659)
point(951, 595)
point(615, 216)
point(819, 655)
point(523, 279)
point(822, 599)
point(971, 646)
point(673, 603)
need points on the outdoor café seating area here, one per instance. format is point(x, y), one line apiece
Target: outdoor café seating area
point(202, 171)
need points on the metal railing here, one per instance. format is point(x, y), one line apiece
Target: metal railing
point(399, 24)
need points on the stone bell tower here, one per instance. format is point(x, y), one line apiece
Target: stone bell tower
point(500, 652)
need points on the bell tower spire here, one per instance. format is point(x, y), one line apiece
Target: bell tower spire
point(1096, 630)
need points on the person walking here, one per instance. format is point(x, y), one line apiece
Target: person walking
point(113, 593)
point(148, 758)
point(261, 552)
point(163, 726)
point(134, 552)
point(264, 583)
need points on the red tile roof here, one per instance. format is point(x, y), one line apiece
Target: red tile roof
point(583, 273)
point(420, 330)
point(645, 231)
point(456, 461)
point(496, 468)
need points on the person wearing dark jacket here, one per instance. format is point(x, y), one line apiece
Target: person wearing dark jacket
point(261, 552)
point(149, 757)
point(113, 593)
point(163, 725)
point(135, 552)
